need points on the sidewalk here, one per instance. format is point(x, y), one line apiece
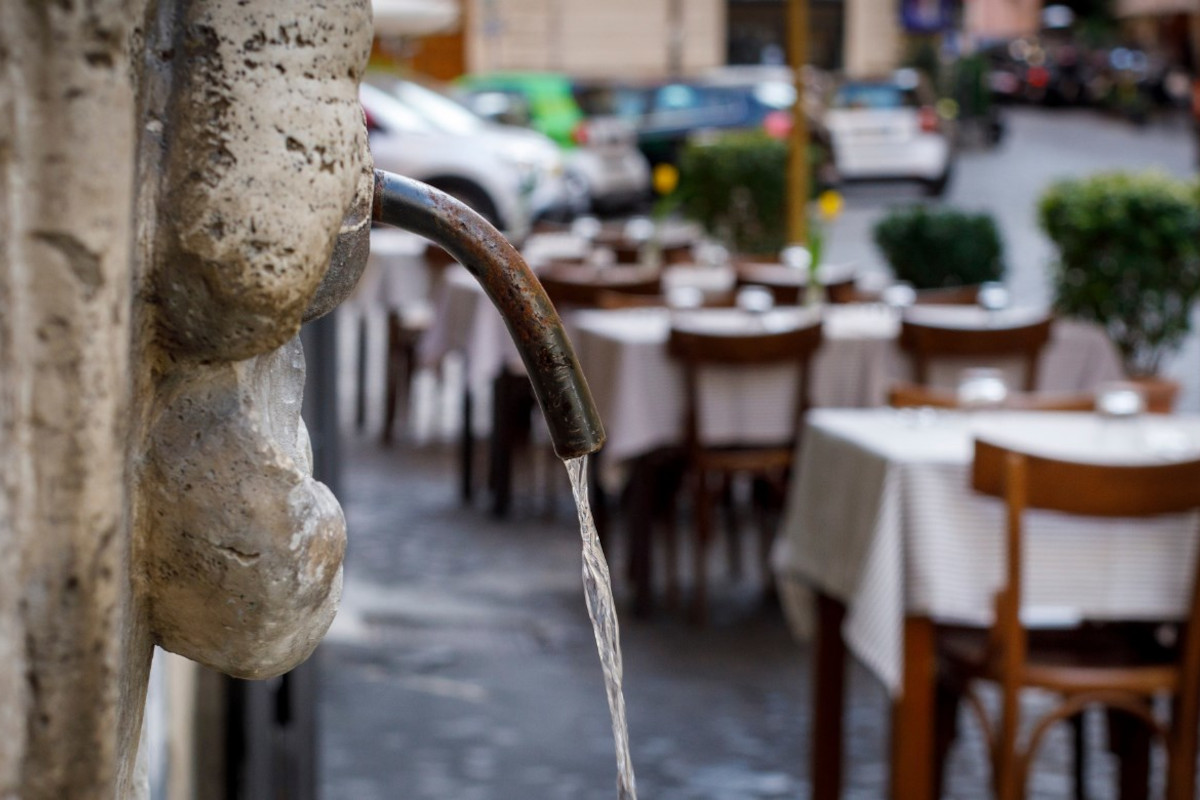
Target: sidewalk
point(462, 667)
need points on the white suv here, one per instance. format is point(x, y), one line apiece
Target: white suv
point(508, 177)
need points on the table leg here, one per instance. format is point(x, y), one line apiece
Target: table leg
point(512, 405)
point(1129, 738)
point(360, 377)
point(913, 715)
point(502, 443)
point(829, 687)
point(636, 517)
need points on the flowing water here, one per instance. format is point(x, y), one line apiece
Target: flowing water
point(598, 590)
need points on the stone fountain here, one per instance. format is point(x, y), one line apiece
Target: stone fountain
point(185, 183)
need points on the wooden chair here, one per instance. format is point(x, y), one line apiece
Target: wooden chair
point(771, 464)
point(911, 395)
point(607, 298)
point(786, 284)
point(948, 296)
point(1085, 666)
point(628, 251)
point(584, 291)
point(925, 342)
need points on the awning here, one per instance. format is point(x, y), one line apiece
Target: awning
point(414, 17)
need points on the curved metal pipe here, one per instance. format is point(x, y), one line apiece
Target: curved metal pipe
point(558, 382)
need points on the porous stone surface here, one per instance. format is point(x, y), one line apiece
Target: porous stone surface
point(349, 252)
point(175, 174)
point(66, 181)
point(244, 553)
point(265, 149)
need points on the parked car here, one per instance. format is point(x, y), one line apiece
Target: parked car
point(668, 114)
point(604, 170)
point(889, 129)
point(535, 156)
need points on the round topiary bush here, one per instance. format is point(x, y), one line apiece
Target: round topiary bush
point(1129, 259)
point(941, 247)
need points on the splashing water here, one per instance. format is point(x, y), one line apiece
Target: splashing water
point(598, 590)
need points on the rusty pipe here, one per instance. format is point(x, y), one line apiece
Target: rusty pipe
point(558, 382)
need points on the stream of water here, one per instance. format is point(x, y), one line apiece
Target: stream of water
point(598, 590)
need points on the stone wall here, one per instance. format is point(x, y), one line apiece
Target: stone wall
point(611, 39)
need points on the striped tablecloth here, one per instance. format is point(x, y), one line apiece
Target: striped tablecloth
point(639, 390)
point(880, 516)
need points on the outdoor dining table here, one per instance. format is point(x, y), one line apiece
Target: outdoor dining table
point(880, 523)
point(639, 390)
point(466, 322)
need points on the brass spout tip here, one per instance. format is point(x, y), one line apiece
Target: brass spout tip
point(558, 382)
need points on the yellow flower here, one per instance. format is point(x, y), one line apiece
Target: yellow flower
point(666, 178)
point(829, 203)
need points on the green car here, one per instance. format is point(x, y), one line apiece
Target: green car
point(604, 170)
point(544, 101)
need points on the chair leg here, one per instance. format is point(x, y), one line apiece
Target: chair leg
point(636, 504)
point(703, 527)
point(733, 541)
point(1129, 738)
point(466, 452)
point(391, 381)
point(510, 418)
point(945, 730)
point(408, 349)
point(1078, 740)
point(671, 554)
point(1181, 753)
point(1005, 761)
point(766, 516)
point(360, 396)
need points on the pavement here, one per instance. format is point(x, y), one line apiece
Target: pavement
point(462, 665)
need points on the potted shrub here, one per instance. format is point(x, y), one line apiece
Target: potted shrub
point(1129, 259)
point(939, 248)
point(735, 185)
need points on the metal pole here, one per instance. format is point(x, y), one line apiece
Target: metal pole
point(798, 169)
point(675, 35)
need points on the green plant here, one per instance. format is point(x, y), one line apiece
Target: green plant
point(1129, 259)
point(735, 185)
point(936, 248)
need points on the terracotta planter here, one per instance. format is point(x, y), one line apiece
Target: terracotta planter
point(1160, 393)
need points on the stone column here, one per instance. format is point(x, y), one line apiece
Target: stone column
point(67, 165)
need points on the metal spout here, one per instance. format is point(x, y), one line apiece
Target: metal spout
point(558, 382)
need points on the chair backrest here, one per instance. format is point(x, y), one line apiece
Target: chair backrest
point(787, 286)
point(912, 395)
point(1028, 481)
point(585, 291)
point(610, 299)
point(1095, 490)
point(925, 342)
point(698, 350)
point(948, 296)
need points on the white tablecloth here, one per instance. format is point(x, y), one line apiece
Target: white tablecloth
point(880, 516)
point(466, 322)
point(639, 390)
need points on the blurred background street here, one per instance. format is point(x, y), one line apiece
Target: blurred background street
point(462, 665)
point(835, 162)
